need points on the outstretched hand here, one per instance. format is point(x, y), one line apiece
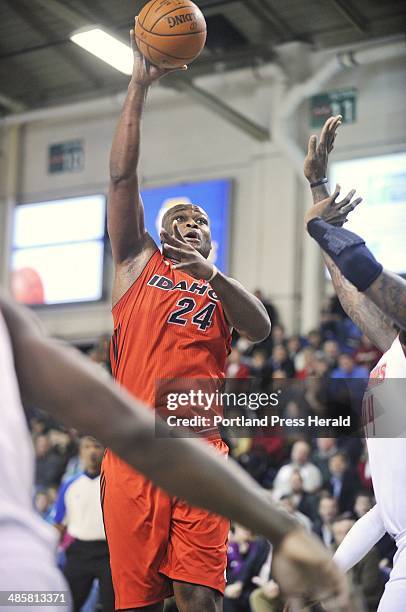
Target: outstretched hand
point(187, 258)
point(315, 165)
point(331, 211)
point(145, 73)
point(306, 573)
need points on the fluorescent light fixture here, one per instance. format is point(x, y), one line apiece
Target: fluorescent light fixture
point(106, 47)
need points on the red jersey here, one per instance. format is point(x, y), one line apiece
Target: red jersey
point(167, 325)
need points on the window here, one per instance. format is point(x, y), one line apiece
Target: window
point(381, 218)
point(58, 251)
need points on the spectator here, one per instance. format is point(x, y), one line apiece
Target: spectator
point(235, 367)
point(321, 367)
point(303, 502)
point(300, 461)
point(304, 363)
point(343, 483)
point(294, 346)
point(348, 369)
point(326, 448)
point(269, 307)
point(365, 575)
point(363, 503)
point(314, 338)
point(38, 425)
point(281, 361)
point(246, 555)
point(244, 345)
point(49, 463)
point(78, 510)
point(367, 355)
point(331, 352)
point(43, 505)
point(286, 502)
point(260, 370)
point(323, 525)
point(386, 546)
point(278, 334)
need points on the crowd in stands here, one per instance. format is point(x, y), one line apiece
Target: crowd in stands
point(323, 481)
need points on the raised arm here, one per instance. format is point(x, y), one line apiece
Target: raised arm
point(365, 314)
point(131, 244)
point(358, 306)
point(68, 386)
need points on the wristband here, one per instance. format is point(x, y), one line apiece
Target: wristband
point(348, 251)
point(215, 272)
point(322, 181)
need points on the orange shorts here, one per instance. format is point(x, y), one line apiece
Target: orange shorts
point(154, 539)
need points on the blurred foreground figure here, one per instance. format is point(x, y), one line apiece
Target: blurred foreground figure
point(68, 386)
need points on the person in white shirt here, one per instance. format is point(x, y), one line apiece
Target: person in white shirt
point(311, 475)
point(78, 512)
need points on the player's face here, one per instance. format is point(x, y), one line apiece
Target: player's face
point(193, 224)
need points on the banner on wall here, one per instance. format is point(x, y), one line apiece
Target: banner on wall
point(66, 157)
point(213, 196)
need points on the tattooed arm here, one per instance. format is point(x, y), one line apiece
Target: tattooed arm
point(388, 292)
point(365, 314)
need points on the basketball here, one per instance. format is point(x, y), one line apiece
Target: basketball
point(170, 33)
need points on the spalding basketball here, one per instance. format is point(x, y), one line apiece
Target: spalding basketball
point(170, 33)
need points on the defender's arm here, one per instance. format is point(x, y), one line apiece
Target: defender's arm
point(369, 318)
point(363, 535)
point(388, 293)
point(365, 314)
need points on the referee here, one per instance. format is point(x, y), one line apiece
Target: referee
point(78, 514)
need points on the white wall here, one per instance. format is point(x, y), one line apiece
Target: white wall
point(184, 142)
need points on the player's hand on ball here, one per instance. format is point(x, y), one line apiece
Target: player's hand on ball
point(331, 211)
point(305, 572)
point(145, 73)
point(186, 256)
point(315, 165)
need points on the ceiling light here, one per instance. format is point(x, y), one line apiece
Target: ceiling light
point(106, 47)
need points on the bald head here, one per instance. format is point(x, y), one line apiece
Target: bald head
point(174, 211)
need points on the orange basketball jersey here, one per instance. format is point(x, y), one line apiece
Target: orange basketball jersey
point(167, 325)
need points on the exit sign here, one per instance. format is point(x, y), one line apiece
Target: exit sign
point(340, 102)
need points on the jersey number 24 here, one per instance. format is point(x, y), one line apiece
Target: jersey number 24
point(202, 319)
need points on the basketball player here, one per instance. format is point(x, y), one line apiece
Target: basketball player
point(375, 299)
point(173, 313)
point(72, 389)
